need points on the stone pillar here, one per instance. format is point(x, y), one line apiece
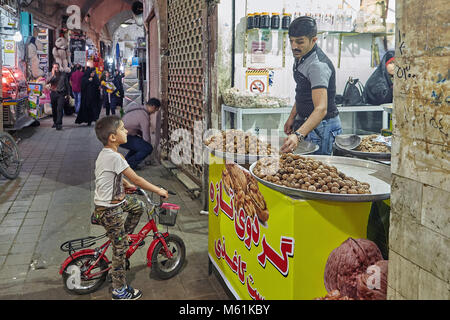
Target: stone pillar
point(419, 239)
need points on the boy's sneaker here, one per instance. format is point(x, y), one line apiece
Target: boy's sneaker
point(126, 293)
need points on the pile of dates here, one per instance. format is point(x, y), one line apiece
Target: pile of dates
point(295, 171)
point(240, 142)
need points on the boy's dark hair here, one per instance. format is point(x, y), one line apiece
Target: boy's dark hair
point(106, 126)
point(303, 26)
point(154, 102)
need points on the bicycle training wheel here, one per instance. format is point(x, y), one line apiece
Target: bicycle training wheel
point(10, 163)
point(163, 267)
point(75, 279)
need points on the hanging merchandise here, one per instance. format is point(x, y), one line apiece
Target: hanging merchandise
point(275, 21)
point(286, 21)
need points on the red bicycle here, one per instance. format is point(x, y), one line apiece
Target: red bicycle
point(85, 270)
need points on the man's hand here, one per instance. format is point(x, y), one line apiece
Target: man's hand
point(290, 144)
point(288, 125)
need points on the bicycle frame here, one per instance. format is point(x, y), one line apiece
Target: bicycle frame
point(136, 239)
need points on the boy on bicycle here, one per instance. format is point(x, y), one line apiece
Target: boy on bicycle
point(111, 203)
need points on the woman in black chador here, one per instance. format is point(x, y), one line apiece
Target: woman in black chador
point(90, 97)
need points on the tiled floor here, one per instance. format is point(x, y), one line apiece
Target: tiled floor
point(51, 202)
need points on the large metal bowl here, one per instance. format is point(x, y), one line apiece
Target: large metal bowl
point(377, 175)
point(340, 144)
point(305, 147)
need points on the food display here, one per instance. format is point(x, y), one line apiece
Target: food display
point(303, 173)
point(239, 142)
point(246, 192)
point(235, 98)
point(368, 144)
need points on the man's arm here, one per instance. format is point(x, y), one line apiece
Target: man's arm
point(144, 123)
point(290, 120)
point(320, 101)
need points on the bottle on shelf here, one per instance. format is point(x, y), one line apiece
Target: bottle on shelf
point(256, 20)
point(275, 21)
point(264, 21)
point(349, 19)
point(250, 21)
point(339, 19)
point(286, 21)
point(359, 23)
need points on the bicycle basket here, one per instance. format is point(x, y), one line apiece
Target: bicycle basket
point(168, 214)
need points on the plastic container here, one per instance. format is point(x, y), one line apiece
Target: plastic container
point(256, 20)
point(275, 21)
point(264, 22)
point(286, 21)
point(250, 21)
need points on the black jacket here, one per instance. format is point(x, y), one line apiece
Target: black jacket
point(378, 88)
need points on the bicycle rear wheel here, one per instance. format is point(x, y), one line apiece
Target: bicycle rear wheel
point(75, 279)
point(10, 163)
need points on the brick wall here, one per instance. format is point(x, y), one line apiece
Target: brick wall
point(419, 235)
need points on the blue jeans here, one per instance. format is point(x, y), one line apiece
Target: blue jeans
point(324, 134)
point(77, 97)
point(139, 150)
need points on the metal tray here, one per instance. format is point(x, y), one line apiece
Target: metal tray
point(305, 147)
point(381, 156)
point(377, 175)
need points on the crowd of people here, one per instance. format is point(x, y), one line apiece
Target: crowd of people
point(90, 93)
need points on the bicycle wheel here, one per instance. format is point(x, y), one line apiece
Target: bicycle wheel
point(166, 268)
point(10, 163)
point(75, 279)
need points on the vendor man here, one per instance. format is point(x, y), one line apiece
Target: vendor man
point(314, 116)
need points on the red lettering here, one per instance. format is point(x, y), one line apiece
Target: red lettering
point(239, 224)
point(280, 262)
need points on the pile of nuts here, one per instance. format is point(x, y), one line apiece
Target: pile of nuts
point(246, 191)
point(295, 171)
point(369, 145)
point(240, 142)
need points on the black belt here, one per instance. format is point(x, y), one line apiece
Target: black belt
point(329, 115)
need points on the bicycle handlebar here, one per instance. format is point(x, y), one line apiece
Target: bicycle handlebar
point(142, 192)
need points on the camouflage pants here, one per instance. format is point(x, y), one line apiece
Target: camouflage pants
point(117, 229)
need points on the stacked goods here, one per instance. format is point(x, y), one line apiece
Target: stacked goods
point(368, 144)
point(239, 142)
point(298, 172)
point(235, 98)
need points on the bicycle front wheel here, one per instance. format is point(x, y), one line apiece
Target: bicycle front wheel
point(165, 267)
point(10, 163)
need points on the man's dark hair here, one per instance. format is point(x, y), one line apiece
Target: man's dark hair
point(106, 126)
point(154, 102)
point(303, 26)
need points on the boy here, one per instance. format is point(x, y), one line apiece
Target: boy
point(111, 202)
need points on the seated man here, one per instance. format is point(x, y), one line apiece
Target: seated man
point(137, 123)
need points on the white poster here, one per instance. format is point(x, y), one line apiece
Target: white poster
point(79, 57)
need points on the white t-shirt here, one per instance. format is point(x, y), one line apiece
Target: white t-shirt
point(109, 190)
